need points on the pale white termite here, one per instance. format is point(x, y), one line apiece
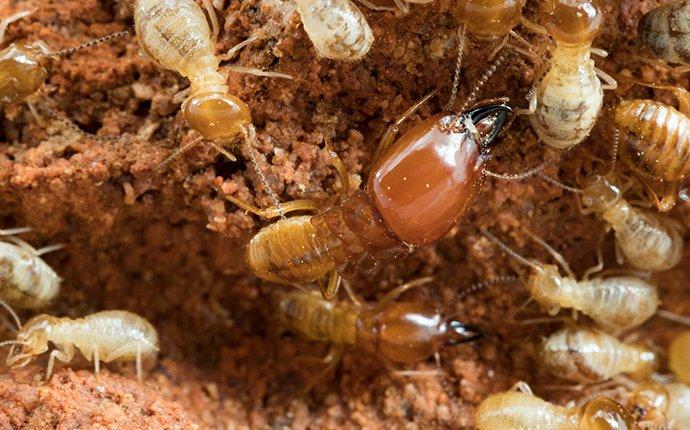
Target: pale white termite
point(26, 281)
point(588, 355)
point(337, 28)
point(615, 303)
point(105, 336)
point(565, 103)
point(519, 409)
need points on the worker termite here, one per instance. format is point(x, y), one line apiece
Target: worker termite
point(615, 303)
point(656, 143)
point(519, 409)
point(588, 355)
point(104, 336)
point(660, 406)
point(24, 68)
point(679, 357)
point(399, 210)
point(565, 103)
point(396, 332)
point(647, 240)
point(26, 281)
point(665, 31)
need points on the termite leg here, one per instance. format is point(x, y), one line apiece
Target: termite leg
point(532, 26)
point(680, 70)
point(354, 298)
point(498, 48)
point(282, 209)
point(335, 353)
point(124, 349)
point(403, 6)
point(14, 231)
point(609, 82)
point(332, 287)
point(372, 6)
point(64, 356)
point(389, 136)
point(49, 248)
point(340, 168)
point(600, 259)
point(556, 255)
point(681, 94)
point(213, 18)
point(521, 387)
point(181, 150)
point(664, 199)
point(9, 20)
point(397, 291)
point(96, 359)
point(532, 106)
point(37, 116)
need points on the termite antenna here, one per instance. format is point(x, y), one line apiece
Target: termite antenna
point(505, 248)
point(518, 176)
point(11, 342)
point(179, 151)
point(14, 231)
point(250, 139)
point(9, 20)
point(482, 285)
point(680, 319)
point(614, 149)
point(483, 80)
point(556, 182)
point(69, 51)
point(558, 257)
point(74, 127)
point(458, 67)
point(11, 311)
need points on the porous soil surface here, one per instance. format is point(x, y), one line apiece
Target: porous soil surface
point(166, 244)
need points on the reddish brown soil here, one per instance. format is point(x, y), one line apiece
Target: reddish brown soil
point(167, 246)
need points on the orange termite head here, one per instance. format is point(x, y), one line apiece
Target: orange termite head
point(218, 117)
point(489, 19)
point(601, 193)
point(605, 414)
point(23, 69)
point(573, 22)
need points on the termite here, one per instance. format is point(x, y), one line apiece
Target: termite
point(26, 281)
point(587, 355)
point(395, 332)
point(24, 68)
point(666, 32)
point(646, 239)
point(519, 409)
point(105, 336)
point(566, 102)
point(660, 405)
point(656, 143)
point(615, 303)
point(416, 192)
point(679, 357)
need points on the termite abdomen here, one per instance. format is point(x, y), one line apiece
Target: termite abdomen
point(665, 30)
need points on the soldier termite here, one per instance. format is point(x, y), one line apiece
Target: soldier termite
point(657, 405)
point(26, 281)
point(656, 143)
point(666, 32)
point(399, 210)
point(615, 303)
point(395, 332)
point(105, 336)
point(588, 355)
point(24, 68)
point(519, 409)
point(565, 103)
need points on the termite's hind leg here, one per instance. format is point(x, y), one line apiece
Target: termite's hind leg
point(213, 18)
point(340, 168)
point(332, 287)
point(9, 20)
point(332, 358)
point(351, 294)
point(125, 350)
point(96, 359)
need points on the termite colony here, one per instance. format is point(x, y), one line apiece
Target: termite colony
point(419, 186)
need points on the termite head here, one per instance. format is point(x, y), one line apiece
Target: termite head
point(23, 69)
point(410, 332)
point(545, 285)
point(218, 117)
point(489, 19)
point(33, 340)
point(603, 413)
point(573, 22)
point(648, 363)
point(600, 194)
point(485, 123)
point(648, 402)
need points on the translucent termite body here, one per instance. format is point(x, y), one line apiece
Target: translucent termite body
point(395, 332)
point(615, 303)
point(648, 240)
point(26, 281)
point(660, 406)
point(519, 409)
point(399, 210)
point(176, 36)
point(104, 336)
point(566, 102)
point(679, 357)
point(337, 28)
point(666, 32)
point(588, 355)
point(656, 143)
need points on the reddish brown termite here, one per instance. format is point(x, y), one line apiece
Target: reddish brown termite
point(416, 192)
point(24, 68)
point(656, 143)
point(396, 332)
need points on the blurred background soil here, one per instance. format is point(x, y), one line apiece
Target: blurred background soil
point(168, 246)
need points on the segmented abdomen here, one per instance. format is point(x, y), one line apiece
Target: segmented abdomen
point(666, 31)
point(656, 138)
point(317, 319)
point(516, 410)
point(337, 28)
point(289, 251)
point(26, 281)
point(176, 35)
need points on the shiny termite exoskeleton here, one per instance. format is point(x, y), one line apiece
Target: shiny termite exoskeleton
point(399, 210)
point(615, 303)
point(656, 143)
point(519, 409)
point(105, 336)
point(565, 103)
point(24, 68)
point(665, 30)
point(657, 405)
point(26, 281)
point(587, 355)
point(395, 332)
point(647, 239)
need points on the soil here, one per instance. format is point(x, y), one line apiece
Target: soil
point(167, 245)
